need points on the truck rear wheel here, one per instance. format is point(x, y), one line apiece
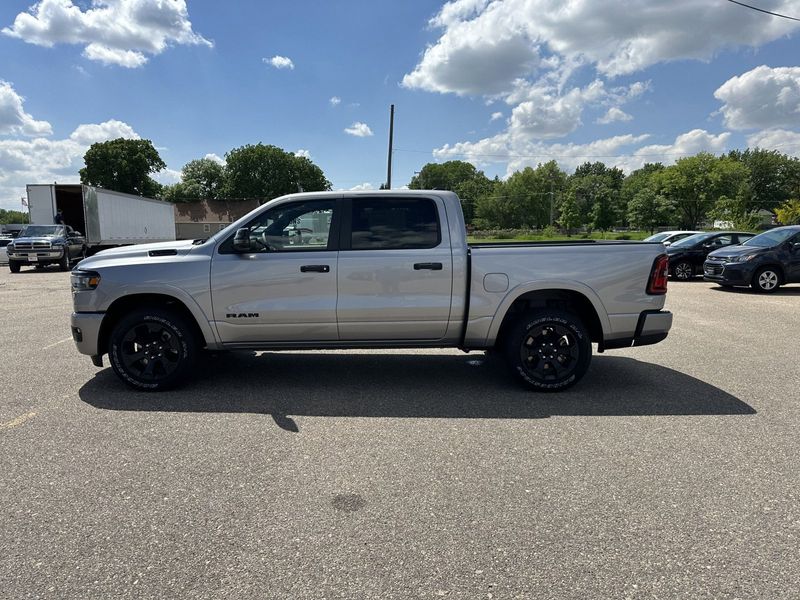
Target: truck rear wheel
point(549, 350)
point(152, 349)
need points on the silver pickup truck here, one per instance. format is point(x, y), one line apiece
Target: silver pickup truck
point(389, 269)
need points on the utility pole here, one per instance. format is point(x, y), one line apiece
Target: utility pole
point(391, 136)
point(551, 202)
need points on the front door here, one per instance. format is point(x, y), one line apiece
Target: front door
point(284, 288)
point(395, 269)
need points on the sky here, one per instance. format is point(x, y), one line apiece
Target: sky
point(503, 84)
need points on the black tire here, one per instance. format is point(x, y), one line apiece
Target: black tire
point(683, 271)
point(152, 349)
point(766, 280)
point(13, 266)
point(549, 350)
point(64, 262)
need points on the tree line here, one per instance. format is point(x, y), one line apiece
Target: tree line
point(696, 190)
point(250, 171)
point(689, 194)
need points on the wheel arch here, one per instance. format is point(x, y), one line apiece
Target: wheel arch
point(770, 265)
point(125, 304)
point(583, 303)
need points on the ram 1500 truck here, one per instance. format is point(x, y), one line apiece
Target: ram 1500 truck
point(371, 269)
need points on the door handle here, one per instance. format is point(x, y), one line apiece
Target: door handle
point(315, 269)
point(429, 266)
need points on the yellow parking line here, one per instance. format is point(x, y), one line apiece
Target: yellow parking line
point(57, 343)
point(18, 421)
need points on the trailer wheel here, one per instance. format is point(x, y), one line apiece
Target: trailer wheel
point(152, 349)
point(549, 350)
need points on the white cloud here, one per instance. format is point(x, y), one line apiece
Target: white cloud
point(216, 158)
point(359, 129)
point(782, 140)
point(42, 160)
point(761, 98)
point(335, 101)
point(167, 176)
point(362, 186)
point(613, 115)
point(495, 116)
point(118, 32)
point(13, 118)
point(302, 152)
point(86, 135)
point(485, 46)
point(279, 62)
point(519, 153)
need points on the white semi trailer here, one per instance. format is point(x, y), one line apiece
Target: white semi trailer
point(105, 218)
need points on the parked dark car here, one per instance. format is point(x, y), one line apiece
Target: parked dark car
point(686, 256)
point(42, 245)
point(764, 262)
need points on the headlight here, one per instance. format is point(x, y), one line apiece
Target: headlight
point(741, 258)
point(83, 281)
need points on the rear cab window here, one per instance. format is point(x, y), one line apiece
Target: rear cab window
point(393, 223)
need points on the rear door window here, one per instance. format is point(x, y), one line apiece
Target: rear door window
point(394, 223)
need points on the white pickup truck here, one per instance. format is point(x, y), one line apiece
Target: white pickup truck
point(385, 269)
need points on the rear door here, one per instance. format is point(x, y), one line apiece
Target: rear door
point(284, 288)
point(395, 274)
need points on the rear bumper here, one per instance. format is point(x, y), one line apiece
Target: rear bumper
point(652, 327)
point(86, 332)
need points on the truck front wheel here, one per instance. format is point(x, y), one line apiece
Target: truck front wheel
point(549, 350)
point(64, 262)
point(13, 266)
point(152, 349)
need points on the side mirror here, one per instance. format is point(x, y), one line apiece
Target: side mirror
point(796, 246)
point(241, 241)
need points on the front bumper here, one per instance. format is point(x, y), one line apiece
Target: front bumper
point(86, 332)
point(39, 256)
point(729, 273)
point(652, 327)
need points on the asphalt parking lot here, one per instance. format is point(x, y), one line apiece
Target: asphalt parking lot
point(670, 471)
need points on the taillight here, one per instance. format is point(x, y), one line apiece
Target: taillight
point(657, 284)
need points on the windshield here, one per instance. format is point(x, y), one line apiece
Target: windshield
point(657, 237)
point(691, 240)
point(41, 230)
point(769, 239)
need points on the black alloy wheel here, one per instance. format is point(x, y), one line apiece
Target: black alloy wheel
point(152, 349)
point(549, 350)
point(766, 280)
point(683, 271)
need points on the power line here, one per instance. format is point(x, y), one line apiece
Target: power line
point(774, 14)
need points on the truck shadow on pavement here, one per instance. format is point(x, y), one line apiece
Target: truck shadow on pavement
point(471, 386)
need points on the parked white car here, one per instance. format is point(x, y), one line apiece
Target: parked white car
point(4, 241)
point(669, 237)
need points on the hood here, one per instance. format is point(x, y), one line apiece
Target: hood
point(39, 238)
point(140, 251)
point(730, 251)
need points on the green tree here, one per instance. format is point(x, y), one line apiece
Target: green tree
point(695, 184)
point(570, 217)
point(648, 209)
point(457, 176)
point(12, 216)
point(262, 171)
point(201, 179)
point(597, 188)
point(773, 178)
point(788, 213)
point(123, 165)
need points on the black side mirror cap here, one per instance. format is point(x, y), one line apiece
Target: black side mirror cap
point(241, 240)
